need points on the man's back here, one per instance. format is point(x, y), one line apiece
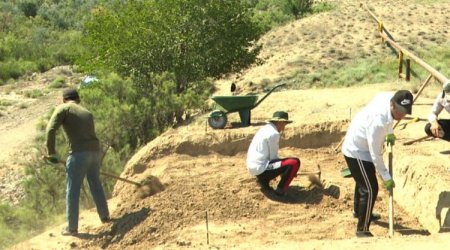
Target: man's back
point(78, 124)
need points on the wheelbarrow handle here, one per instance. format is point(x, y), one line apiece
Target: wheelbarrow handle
point(268, 93)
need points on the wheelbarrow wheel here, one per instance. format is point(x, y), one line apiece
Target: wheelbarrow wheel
point(217, 119)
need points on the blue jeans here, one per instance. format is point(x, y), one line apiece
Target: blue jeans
point(79, 165)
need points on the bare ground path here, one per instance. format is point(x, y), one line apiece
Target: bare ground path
point(19, 117)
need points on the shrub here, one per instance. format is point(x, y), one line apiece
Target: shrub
point(35, 93)
point(59, 82)
point(29, 8)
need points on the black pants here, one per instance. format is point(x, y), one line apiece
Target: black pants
point(445, 125)
point(366, 190)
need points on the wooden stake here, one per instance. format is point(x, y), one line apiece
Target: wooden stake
point(207, 230)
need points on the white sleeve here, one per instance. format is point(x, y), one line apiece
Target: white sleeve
point(376, 133)
point(436, 109)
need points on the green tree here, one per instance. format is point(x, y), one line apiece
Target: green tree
point(193, 39)
point(169, 48)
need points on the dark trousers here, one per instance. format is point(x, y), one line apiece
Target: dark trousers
point(445, 125)
point(288, 168)
point(366, 190)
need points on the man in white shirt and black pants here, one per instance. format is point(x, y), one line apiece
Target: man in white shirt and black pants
point(440, 128)
point(363, 150)
point(262, 156)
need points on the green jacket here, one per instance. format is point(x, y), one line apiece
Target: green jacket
point(78, 124)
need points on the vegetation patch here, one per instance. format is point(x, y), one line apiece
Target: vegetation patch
point(34, 93)
point(59, 82)
point(5, 102)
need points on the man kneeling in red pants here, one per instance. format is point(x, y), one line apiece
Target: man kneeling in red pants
point(262, 156)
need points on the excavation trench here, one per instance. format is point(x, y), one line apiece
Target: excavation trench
point(208, 168)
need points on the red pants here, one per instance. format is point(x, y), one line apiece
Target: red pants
point(287, 168)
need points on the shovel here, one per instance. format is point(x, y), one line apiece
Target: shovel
point(391, 195)
point(102, 173)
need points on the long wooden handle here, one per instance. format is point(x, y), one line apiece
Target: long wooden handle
point(391, 196)
point(102, 173)
point(416, 140)
point(120, 178)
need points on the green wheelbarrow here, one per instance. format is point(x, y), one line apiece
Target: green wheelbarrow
point(217, 119)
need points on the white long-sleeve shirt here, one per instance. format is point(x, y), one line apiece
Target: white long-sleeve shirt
point(367, 132)
point(439, 104)
point(262, 149)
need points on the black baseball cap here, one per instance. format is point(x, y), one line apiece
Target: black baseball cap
point(403, 101)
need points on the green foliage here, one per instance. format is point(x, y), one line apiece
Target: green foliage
point(299, 8)
point(360, 71)
point(150, 106)
point(29, 8)
point(59, 82)
point(273, 13)
point(323, 6)
point(4, 102)
point(36, 35)
point(34, 93)
point(436, 56)
point(20, 223)
point(168, 48)
point(191, 39)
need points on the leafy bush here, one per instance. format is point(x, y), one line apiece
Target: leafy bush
point(151, 106)
point(59, 82)
point(323, 6)
point(29, 8)
point(49, 38)
point(273, 13)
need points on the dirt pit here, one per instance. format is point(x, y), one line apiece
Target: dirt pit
point(217, 191)
point(202, 171)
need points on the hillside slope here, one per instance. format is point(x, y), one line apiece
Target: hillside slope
point(209, 200)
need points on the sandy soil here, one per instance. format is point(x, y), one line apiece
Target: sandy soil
point(202, 196)
point(204, 172)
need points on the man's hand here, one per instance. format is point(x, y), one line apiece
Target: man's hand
point(54, 158)
point(436, 129)
point(390, 139)
point(389, 184)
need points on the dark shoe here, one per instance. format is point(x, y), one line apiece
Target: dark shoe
point(106, 220)
point(67, 232)
point(263, 184)
point(374, 216)
point(363, 234)
point(280, 192)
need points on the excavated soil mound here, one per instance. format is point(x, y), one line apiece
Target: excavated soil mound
point(203, 172)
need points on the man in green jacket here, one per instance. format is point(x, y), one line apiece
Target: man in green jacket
point(84, 156)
